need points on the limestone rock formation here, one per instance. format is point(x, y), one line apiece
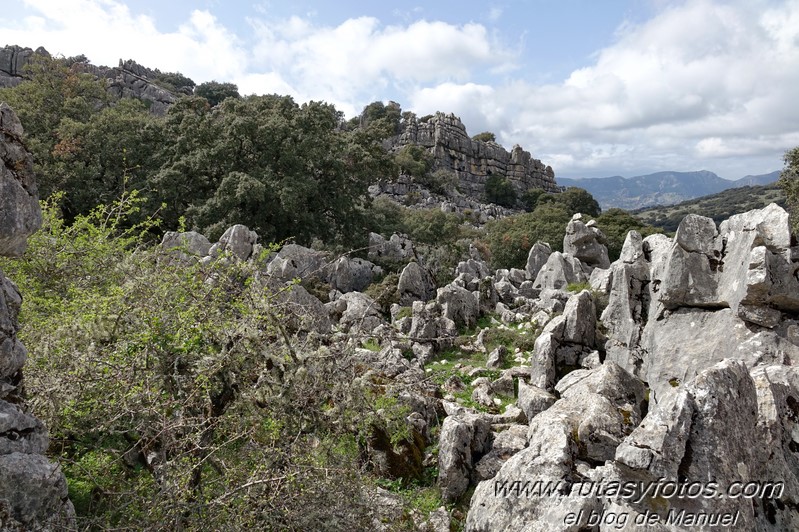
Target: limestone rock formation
point(127, 80)
point(536, 259)
point(597, 410)
point(473, 161)
point(131, 80)
point(560, 271)
point(20, 214)
point(237, 240)
point(565, 341)
point(33, 491)
point(186, 246)
point(586, 242)
point(464, 439)
point(415, 284)
point(349, 274)
point(398, 248)
point(12, 62)
point(458, 305)
point(679, 306)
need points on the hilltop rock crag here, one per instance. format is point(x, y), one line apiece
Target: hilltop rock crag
point(128, 80)
point(473, 161)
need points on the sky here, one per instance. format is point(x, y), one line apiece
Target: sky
point(617, 87)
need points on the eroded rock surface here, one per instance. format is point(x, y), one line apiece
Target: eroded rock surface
point(33, 490)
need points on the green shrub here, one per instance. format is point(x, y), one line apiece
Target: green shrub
point(578, 287)
point(414, 160)
point(510, 239)
point(174, 394)
point(499, 190)
point(485, 136)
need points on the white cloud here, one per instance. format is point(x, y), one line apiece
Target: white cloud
point(703, 82)
point(360, 60)
point(107, 30)
point(700, 82)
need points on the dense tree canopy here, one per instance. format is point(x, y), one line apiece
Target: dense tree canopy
point(510, 239)
point(216, 92)
point(286, 170)
point(283, 169)
point(56, 92)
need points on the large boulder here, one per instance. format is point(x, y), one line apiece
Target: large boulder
point(301, 311)
point(352, 274)
point(238, 240)
point(679, 306)
point(458, 304)
point(586, 242)
point(597, 410)
point(694, 435)
point(559, 272)
point(430, 327)
point(566, 341)
point(536, 259)
point(398, 248)
point(415, 284)
point(361, 314)
point(298, 262)
point(464, 439)
point(186, 246)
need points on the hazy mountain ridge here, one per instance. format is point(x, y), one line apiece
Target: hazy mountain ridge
point(661, 188)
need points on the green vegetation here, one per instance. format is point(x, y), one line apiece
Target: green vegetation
point(789, 183)
point(283, 169)
point(485, 136)
point(425, 226)
point(176, 395)
point(500, 191)
point(414, 160)
point(578, 287)
point(179, 395)
point(615, 224)
point(510, 239)
point(216, 92)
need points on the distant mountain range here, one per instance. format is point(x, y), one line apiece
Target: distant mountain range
point(661, 188)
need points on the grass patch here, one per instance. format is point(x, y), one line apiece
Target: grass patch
point(371, 344)
point(511, 338)
point(578, 287)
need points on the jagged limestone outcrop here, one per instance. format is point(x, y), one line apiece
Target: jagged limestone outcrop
point(473, 161)
point(679, 306)
point(12, 62)
point(33, 490)
point(707, 322)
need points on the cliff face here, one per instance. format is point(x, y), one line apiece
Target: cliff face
point(12, 60)
point(444, 135)
point(33, 490)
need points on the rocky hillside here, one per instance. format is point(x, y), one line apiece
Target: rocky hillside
point(468, 165)
point(233, 384)
point(128, 80)
point(642, 371)
point(661, 188)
